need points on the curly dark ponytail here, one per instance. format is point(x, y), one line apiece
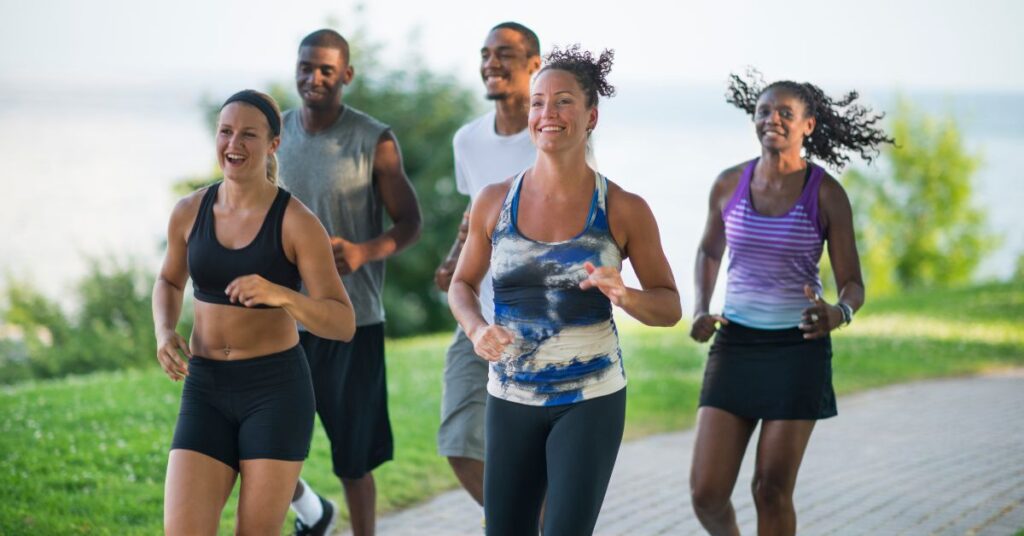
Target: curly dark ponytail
point(591, 73)
point(843, 126)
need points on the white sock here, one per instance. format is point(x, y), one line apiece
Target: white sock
point(308, 506)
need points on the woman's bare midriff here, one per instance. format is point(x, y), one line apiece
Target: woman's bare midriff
point(230, 333)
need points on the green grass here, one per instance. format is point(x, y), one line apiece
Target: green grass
point(87, 455)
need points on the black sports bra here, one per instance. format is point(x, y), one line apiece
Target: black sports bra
point(212, 266)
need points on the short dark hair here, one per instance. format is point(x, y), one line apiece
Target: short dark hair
point(326, 38)
point(843, 124)
point(529, 38)
point(591, 73)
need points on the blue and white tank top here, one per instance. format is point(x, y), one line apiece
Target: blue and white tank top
point(566, 347)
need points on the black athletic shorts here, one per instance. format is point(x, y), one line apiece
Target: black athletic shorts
point(352, 398)
point(769, 374)
point(251, 408)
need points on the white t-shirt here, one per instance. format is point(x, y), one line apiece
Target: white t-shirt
point(482, 158)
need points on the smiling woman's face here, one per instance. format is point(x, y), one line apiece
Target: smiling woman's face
point(781, 122)
point(243, 140)
point(559, 116)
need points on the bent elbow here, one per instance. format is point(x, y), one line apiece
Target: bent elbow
point(414, 228)
point(672, 315)
point(709, 253)
point(669, 320)
point(672, 320)
point(348, 327)
point(345, 328)
point(677, 314)
point(343, 333)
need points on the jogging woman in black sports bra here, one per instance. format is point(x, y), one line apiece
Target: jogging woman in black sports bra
point(247, 404)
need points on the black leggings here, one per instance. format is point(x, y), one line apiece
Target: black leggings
point(567, 451)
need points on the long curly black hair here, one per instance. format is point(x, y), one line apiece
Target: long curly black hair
point(590, 72)
point(843, 125)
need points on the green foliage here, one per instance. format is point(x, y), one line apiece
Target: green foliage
point(43, 328)
point(424, 110)
point(14, 362)
point(87, 455)
point(112, 328)
point(917, 225)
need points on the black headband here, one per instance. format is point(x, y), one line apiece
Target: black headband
point(253, 98)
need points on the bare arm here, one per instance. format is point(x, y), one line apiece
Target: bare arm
point(326, 311)
point(837, 220)
point(399, 199)
point(656, 303)
point(709, 257)
point(444, 272)
point(464, 292)
point(169, 290)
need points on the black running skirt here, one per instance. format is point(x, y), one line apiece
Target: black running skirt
point(769, 374)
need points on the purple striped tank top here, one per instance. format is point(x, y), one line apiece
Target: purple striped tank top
point(771, 258)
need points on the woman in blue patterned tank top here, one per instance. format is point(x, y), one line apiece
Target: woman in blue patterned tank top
point(555, 236)
point(771, 359)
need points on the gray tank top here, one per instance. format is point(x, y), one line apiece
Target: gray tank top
point(331, 172)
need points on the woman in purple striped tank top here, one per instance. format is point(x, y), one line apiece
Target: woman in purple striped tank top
point(771, 357)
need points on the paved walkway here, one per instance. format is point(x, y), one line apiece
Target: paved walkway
point(935, 457)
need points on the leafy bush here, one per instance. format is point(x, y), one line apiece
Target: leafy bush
point(112, 327)
point(917, 225)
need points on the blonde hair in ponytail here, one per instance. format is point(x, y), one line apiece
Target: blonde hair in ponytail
point(272, 168)
point(272, 159)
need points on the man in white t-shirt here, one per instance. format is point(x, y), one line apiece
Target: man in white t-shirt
point(488, 149)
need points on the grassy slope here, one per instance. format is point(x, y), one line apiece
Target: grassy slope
point(87, 455)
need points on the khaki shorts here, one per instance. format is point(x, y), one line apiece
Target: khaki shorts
point(463, 401)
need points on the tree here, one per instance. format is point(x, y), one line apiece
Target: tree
point(917, 225)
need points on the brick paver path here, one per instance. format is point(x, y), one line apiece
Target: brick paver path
point(933, 457)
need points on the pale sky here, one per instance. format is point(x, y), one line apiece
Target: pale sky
point(916, 44)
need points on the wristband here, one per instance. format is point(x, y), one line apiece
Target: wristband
point(847, 312)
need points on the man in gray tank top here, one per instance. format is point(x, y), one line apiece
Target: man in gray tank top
point(347, 168)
